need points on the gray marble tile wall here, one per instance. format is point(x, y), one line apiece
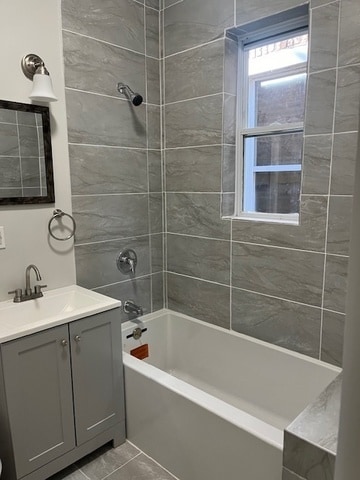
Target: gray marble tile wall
point(310, 441)
point(115, 150)
point(279, 283)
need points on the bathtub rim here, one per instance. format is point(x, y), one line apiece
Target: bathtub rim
point(165, 311)
point(271, 435)
point(235, 416)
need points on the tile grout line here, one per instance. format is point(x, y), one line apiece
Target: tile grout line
point(151, 458)
point(83, 473)
point(194, 192)
point(194, 98)
point(120, 147)
point(105, 95)
point(317, 307)
point(121, 466)
point(162, 154)
point(194, 146)
point(325, 4)
point(329, 186)
point(139, 277)
point(222, 153)
point(302, 176)
point(255, 244)
point(120, 194)
point(117, 239)
point(169, 6)
point(159, 465)
point(164, 145)
point(231, 271)
point(329, 134)
point(199, 45)
point(145, 5)
point(107, 43)
point(217, 239)
point(147, 161)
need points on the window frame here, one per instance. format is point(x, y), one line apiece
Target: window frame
point(245, 198)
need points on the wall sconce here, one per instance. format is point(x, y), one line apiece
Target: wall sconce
point(34, 69)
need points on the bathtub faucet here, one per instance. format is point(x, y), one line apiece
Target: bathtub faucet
point(131, 307)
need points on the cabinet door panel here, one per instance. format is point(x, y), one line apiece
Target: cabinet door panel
point(97, 373)
point(39, 397)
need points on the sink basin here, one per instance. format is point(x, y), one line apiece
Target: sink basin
point(56, 307)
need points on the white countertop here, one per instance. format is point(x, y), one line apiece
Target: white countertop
point(56, 307)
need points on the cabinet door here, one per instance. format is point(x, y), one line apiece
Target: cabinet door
point(39, 397)
point(97, 373)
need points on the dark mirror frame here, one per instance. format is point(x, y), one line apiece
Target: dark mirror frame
point(45, 114)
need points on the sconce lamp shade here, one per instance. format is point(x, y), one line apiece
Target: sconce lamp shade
point(42, 89)
point(34, 68)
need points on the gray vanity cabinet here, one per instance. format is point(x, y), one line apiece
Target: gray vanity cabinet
point(39, 398)
point(98, 389)
point(62, 394)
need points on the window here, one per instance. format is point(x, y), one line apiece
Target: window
point(271, 103)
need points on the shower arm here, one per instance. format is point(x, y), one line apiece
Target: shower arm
point(136, 98)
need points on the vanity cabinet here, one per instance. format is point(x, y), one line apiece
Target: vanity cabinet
point(63, 395)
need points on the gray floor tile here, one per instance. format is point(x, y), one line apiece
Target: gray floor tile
point(141, 468)
point(125, 462)
point(70, 473)
point(106, 460)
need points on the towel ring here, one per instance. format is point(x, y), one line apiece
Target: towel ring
point(57, 214)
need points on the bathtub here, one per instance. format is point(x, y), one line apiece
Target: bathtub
point(209, 404)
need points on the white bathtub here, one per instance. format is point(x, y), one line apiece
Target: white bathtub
point(210, 404)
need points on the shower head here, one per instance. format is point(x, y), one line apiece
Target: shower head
point(136, 98)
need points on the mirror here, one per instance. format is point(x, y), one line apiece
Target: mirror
point(26, 167)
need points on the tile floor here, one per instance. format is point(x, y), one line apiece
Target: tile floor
point(122, 463)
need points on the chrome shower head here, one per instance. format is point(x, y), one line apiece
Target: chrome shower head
point(136, 98)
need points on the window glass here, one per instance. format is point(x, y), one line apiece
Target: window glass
point(277, 192)
point(284, 149)
point(279, 54)
point(277, 82)
point(278, 101)
point(274, 90)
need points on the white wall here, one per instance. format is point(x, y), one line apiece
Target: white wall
point(35, 27)
point(347, 461)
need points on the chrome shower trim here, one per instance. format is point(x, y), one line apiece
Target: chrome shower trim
point(135, 98)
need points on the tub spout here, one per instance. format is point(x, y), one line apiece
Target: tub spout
point(131, 307)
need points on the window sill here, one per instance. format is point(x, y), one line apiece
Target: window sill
point(281, 218)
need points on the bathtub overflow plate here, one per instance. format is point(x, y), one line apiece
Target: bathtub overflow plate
point(137, 333)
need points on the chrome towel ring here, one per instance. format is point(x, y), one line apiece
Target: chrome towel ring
point(58, 214)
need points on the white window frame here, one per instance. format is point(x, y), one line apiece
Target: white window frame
point(245, 171)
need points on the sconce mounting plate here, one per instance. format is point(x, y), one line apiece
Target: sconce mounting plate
point(30, 63)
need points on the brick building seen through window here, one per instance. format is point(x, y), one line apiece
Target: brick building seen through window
point(272, 89)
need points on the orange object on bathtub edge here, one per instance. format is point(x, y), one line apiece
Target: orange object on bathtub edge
point(141, 352)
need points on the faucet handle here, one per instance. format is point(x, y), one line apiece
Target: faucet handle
point(37, 290)
point(18, 294)
point(126, 261)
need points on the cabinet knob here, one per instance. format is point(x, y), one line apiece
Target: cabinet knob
point(64, 342)
point(77, 338)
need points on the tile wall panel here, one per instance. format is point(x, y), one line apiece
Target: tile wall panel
point(288, 282)
point(204, 300)
point(193, 22)
point(119, 22)
point(119, 154)
point(115, 149)
point(287, 324)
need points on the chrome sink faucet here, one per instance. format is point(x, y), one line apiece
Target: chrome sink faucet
point(27, 278)
point(28, 293)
